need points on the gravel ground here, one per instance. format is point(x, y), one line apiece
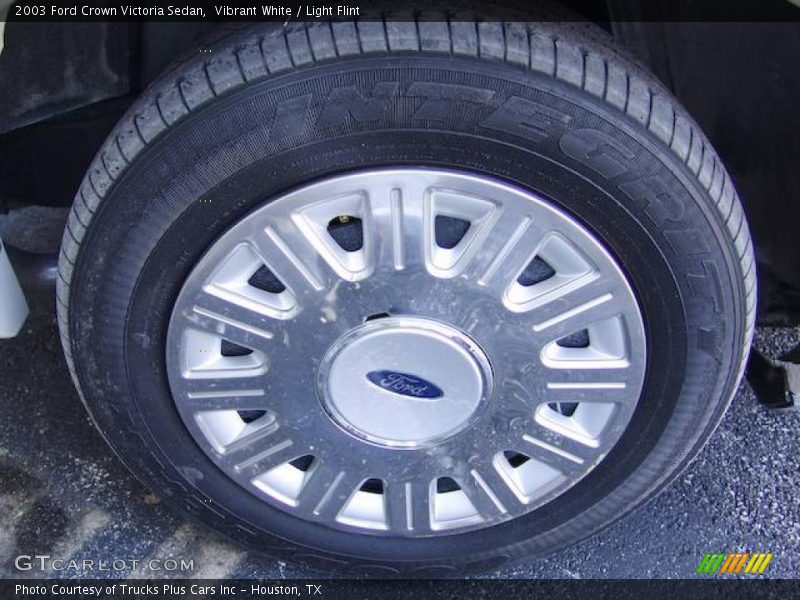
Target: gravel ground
point(63, 493)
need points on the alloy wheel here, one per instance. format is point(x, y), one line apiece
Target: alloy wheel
point(407, 352)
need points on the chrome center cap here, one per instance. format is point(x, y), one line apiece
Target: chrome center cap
point(404, 381)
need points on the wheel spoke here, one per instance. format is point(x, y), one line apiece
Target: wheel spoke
point(294, 260)
point(231, 321)
point(251, 457)
point(560, 439)
point(573, 308)
point(241, 398)
point(489, 479)
point(399, 506)
point(569, 461)
point(396, 226)
point(419, 502)
point(327, 491)
point(593, 389)
point(508, 247)
point(534, 383)
point(488, 494)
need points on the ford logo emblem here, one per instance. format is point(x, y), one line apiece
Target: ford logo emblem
point(404, 384)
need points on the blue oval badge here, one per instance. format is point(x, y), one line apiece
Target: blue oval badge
point(404, 384)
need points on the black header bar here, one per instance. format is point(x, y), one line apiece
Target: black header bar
point(309, 10)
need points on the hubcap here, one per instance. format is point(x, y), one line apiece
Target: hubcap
point(399, 405)
point(406, 352)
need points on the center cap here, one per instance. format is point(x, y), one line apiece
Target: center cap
point(404, 381)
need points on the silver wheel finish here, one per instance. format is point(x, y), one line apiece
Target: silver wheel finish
point(406, 388)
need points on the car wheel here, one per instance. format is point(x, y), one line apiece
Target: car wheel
point(407, 298)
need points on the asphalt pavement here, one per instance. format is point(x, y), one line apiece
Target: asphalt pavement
point(64, 494)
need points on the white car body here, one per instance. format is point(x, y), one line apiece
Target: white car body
point(13, 307)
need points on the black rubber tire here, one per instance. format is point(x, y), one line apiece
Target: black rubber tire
point(554, 108)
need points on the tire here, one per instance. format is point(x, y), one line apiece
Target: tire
point(549, 110)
